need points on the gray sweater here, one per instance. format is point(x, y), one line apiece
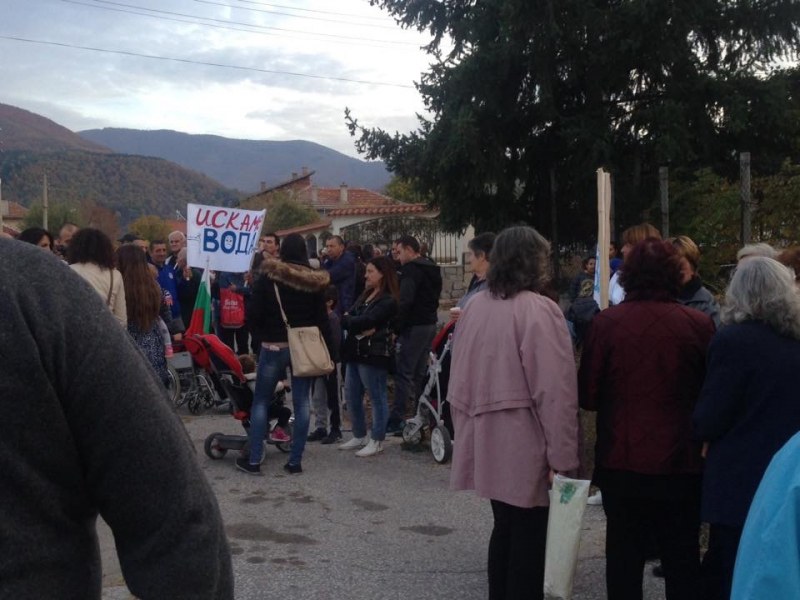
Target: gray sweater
point(86, 429)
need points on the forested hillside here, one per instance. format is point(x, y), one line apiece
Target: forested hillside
point(128, 185)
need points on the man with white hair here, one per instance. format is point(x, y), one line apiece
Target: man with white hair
point(760, 249)
point(177, 241)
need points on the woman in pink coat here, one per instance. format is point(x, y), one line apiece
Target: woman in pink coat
point(514, 400)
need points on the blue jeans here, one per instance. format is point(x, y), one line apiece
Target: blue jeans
point(372, 379)
point(272, 366)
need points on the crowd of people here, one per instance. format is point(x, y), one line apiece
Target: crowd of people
point(693, 396)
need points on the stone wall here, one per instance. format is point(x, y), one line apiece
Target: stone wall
point(454, 284)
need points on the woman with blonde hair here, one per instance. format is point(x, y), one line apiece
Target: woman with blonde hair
point(630, 237)
point(693, 293)
point(748, 407)
point(143, 305)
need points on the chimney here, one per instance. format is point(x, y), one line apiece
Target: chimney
point(263, 185)
point(314, 194)
point(305, 171)
point(294, 175)
point(343, 193)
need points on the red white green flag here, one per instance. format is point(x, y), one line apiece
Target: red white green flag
point(201, 315)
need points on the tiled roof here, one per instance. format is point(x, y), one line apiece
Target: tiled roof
point(176, 225)
point(10, 230)
point(394, 209)
point(16, 211)
point(288, 182)
point(355, 197)
point(305, 228)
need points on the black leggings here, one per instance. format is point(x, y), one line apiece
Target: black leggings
point(516, 552)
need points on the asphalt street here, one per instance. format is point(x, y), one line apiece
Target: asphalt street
point(383, 527)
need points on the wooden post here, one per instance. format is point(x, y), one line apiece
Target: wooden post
point(44, 203)
point(744, 189)
point(554, 225)
point(663, 186)
point(1, 206)
point(602, 275)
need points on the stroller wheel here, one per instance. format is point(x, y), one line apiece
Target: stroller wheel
point(412, 433)
point(174, 386)
point(195, 405)
point(441, 446)
point(212, 447)
point(245, 451)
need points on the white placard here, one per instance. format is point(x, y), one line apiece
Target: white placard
point(221, 238)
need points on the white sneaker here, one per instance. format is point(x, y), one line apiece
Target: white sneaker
point(370, 449)
point(595, 499)
point(354, 443)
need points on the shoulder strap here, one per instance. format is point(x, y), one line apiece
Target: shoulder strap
point(110, 289)
point(280, 305)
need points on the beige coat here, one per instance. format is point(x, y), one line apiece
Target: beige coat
point(514, 399)
point(100, 280)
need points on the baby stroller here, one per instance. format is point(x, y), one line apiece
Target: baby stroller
point(190, 381)
point(432, 411)
point(220, 361)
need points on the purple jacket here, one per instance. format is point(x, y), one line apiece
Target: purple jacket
point(514, 398)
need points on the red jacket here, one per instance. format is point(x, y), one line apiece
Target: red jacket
point(642, 369)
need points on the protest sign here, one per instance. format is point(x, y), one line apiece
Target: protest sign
point(220, 238)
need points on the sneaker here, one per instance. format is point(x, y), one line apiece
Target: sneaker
point(243, 464)
point(317, 435)
point(334, 436)
point(292, 469)
point(595, 499)
point(354, 443)
point(278, 435)
point(371, 449)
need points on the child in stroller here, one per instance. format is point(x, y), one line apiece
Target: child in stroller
point(222, 361)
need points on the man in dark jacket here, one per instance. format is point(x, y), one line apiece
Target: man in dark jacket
point(420, 288)
point(341, 266)
point(95, 434)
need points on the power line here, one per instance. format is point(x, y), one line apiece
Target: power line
point(213, 26)
point(283, 29)
point(285, 14)
point(311, 10)
point(207, 64)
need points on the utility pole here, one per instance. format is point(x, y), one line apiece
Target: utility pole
point(744, 189)
point(45, 205)
point(663, 186)
point(2, 206)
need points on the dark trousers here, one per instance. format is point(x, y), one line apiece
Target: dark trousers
point(631, 520)
point(516, 552)
point(332, 388)
point(239, 336)
point(414, 347)
point(719, 561)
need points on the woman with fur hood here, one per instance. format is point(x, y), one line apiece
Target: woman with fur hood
point(301, 290)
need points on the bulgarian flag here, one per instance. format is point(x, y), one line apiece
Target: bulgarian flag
point(201, 315)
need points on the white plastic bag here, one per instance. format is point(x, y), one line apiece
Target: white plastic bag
point(567, 505)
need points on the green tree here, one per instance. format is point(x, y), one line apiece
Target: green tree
point(150, 227)
point(57, 214)
point(532, 96)
point(285, 213)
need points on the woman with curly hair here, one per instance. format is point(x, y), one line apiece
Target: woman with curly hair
point(143, 304)
point(642, 369)
point(748, 408)
point(38, 237)
point(91, 255)
point(517, 422)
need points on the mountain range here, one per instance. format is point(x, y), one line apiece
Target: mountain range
point(244, 164)
point(134, 173)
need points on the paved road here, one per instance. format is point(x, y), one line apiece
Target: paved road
point(384, 527)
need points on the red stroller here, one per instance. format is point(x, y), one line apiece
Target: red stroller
point(222, 365)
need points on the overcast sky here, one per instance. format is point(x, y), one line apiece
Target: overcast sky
point(84, 89)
